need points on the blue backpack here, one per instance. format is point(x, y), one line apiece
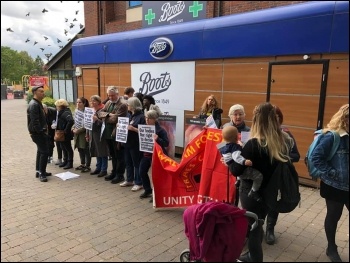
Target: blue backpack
point(313, 172)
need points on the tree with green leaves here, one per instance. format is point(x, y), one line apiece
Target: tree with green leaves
point(15, 64)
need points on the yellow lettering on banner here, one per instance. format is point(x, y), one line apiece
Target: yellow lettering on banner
point(189, 151)
point(165, 159)
point(200, 141)
point(185, 176)
point(214, 136)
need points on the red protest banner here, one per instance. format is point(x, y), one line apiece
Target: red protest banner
point(217, 183)
point(199, 177)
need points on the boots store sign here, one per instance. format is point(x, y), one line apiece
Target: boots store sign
point(161, 48)
point(157, 13)
point(171, 84)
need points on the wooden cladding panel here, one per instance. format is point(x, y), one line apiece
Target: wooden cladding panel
point(298, 110)
point(248, 60)
point(125, 76)
point(90, 83)
point(206, 62)
point(111, 76)
point(90, 76)
point(333, 104)
point(297, 79)
point(208, 77)
point(338, 78)
point(245, 77)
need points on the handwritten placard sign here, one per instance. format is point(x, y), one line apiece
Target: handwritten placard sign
point(122, 129)
point(146, 137)
point(88, 114)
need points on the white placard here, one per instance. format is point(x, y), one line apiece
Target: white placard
point(78, 119)
point(146, 137)
point(88, 114)
point(122, 129)
point(210, 122)
point(67, 175)
point(245, 136)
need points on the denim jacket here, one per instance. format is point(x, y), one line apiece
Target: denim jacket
point(336, 171)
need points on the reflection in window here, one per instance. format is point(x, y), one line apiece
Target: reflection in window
point(135, 3)
point(54, 75)
point(61, 74)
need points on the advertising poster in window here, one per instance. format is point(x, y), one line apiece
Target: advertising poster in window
point(168, 122)
point(193, 126)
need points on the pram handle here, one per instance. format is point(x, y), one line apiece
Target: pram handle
point(255, 217)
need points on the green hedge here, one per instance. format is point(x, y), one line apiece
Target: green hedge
point(48, 100)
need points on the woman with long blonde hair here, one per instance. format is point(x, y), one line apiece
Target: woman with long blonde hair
point(267, 144)
point(334, 187)
point(209, 107)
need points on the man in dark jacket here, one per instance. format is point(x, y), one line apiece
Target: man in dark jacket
point(37, 127)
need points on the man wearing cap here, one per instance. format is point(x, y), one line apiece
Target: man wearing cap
point(115, 107)
point(37, 127)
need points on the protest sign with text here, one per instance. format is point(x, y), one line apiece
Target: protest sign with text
point(122, 129)
point(88, 114)
point(146, 137)
point(78, 119)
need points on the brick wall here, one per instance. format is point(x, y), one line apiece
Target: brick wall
point(114, 13)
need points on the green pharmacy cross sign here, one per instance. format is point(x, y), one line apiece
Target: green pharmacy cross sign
point(157, 13)
point(150, 16)
point(195, 8)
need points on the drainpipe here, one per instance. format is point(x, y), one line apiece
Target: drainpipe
point(99, 18)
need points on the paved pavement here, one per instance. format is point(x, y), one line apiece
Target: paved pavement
point(88, 219)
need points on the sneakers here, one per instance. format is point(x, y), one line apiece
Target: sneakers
point(80, 167)
point(49, 159)
point(255, 195)
point(86, 169)
point(59, 161)
point(136, 188)
point(125, 183)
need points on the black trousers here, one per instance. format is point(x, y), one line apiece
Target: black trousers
point(118, 160)
point(255, 236)
point(42, 153)
point(67, 150)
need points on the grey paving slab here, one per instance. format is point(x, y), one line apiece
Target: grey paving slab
point(88, 219)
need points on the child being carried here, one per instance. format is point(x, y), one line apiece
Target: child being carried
point(241, 167)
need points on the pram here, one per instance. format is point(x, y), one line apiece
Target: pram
point(216, 232)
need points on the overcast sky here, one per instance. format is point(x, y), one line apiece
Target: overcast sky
point(37, 25)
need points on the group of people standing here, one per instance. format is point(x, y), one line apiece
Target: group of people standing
point(269, 142)
point(100, 141)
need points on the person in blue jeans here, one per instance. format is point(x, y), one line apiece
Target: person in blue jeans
point(161, 137)
point(334, 175)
